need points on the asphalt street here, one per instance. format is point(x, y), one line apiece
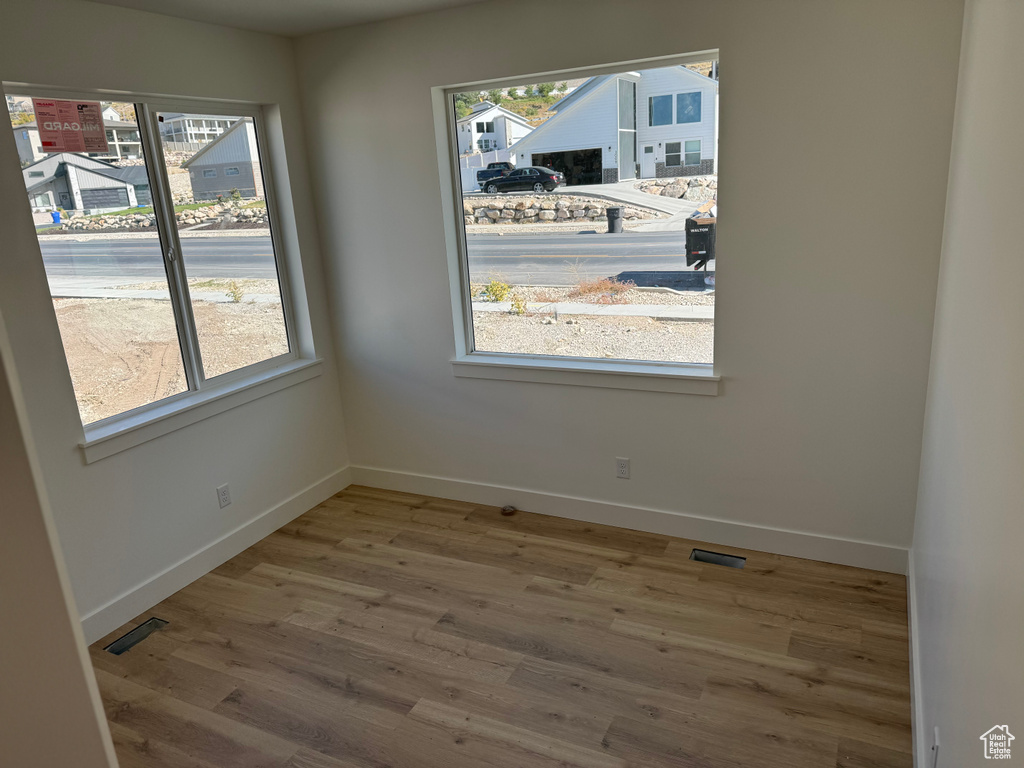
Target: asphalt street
point(548, 259)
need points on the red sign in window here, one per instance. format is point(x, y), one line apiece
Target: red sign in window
point(70, 126)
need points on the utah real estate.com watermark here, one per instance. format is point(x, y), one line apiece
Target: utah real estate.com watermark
point(997, 742)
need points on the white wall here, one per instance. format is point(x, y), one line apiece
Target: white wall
point(590, 123)
point(823, 321)
point(127, 518)
point(51, 711)
point(969, 534)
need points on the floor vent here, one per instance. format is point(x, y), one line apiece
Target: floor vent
point(136, 636)
point(717, 558)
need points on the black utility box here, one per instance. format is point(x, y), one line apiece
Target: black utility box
point(700, 241)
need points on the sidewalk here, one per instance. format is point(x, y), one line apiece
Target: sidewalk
point(105, 288)
point(699, 314)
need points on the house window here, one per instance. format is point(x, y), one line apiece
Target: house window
point(489, 126)
point(481, 127)
point(231, 171)
point(692, 154)
point(660, 110)
point(36, 174)
point(200, 324)
point(518, 307)
point(688, 107)
point(209, 173)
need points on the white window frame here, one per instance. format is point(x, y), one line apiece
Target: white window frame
point(205, 397)
point(680, 153)
point(650, 109)
point(700, 152)
point(700, 100)
point(209, 173)
point(677, 378)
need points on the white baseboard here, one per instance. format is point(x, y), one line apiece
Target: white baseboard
point(862, 554)
point(919, 738)
point(164, 584)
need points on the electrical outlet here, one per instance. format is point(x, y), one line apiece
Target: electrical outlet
point(935, 749)
point(622, 468)
point(224, 495)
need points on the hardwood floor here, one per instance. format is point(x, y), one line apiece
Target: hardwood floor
point(387, 629)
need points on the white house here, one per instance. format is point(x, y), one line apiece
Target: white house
point(489, 127)
point(193, 129)
point(649, 124)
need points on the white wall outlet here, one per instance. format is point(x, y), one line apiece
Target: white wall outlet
point(224, 495)
point(622, 468)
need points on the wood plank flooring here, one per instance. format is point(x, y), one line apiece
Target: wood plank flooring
point(383, 629)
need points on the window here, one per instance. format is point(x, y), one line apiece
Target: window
point(36, 174)
point(688, 107)
point(672, 154)
point(209, 173)
point(188, 303)
point(692, 155)
point(660, 110)
point(231, 171)
point(581, 298)
point(489, 127)
point(480, 128)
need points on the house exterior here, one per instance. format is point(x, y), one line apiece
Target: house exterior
point(654, 123)
point(230, 162)
point(80, 183)
point(122, 139)
point(193, 129)
point(490, 127)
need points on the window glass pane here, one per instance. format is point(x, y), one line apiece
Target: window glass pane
point(688, 107)
point(105, 268)
point(693, 146)
point(627, 105)
point(578, 290)
point(226, 247)
point(661, 110)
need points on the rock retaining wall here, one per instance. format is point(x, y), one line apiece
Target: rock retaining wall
point(220, 216)
point(698, 189)
point(547, 210)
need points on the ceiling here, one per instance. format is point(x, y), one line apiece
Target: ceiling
point(291, 17)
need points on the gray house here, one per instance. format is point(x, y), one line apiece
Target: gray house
point(77, 182)
point(230, 162)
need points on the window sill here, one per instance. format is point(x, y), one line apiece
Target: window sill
point(646, 377)
point(123, 432)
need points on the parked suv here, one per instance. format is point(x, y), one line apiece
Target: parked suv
point(534, 177)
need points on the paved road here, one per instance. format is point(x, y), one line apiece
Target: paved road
point(555, 259)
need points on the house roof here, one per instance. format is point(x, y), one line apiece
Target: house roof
point(234, 127)
point(473, 116)
point(133, 175)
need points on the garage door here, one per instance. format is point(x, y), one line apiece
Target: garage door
point(580, 166)
point(111, 197)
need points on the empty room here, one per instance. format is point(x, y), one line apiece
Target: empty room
point(366, 400)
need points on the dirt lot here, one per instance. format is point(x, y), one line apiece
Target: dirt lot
point(124, 353)
point(627, 338)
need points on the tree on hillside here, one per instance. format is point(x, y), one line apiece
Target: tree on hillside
point(545, 89)
point(495, 94)
point(564, 87)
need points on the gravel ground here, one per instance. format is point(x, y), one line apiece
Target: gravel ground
point(628, 338)
point(635, 296)
point(123, 353)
